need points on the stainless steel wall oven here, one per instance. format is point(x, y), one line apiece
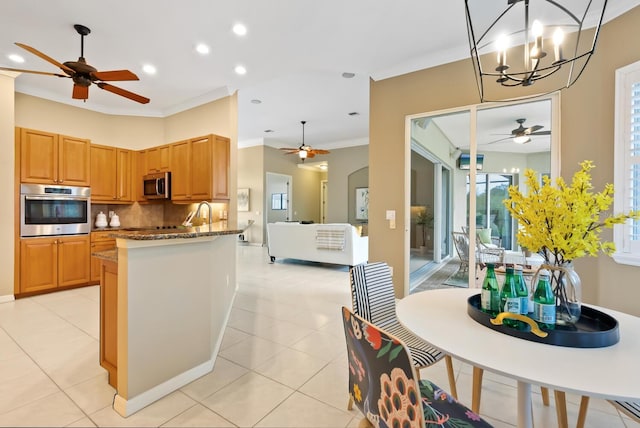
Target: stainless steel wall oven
point(47, 210)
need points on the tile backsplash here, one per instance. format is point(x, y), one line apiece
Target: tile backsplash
point(155, 214)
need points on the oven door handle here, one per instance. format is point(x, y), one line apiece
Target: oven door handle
point(54, 198)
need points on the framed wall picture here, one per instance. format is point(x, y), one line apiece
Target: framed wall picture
point(243, 199)
point(362, 203)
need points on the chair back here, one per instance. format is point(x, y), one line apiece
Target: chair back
point(461, 242)
point(372, 294)
point(381, 377)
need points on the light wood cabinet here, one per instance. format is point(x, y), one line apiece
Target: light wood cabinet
point(100, 241)
point(109, 320)
point(48, 263)
point(200, 169)
point(111, 171)
point(51, 158)
point(158, 159)
point(221, 156)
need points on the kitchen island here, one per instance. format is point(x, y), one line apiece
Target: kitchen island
point(166, 298)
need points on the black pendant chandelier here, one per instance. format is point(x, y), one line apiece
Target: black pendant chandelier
point(516, 43)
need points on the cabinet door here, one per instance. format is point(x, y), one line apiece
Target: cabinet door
point(109, 320)
point(73, 161)
point(158, 159)
point(201, 173)
point(221, 154)
point(181, 171)
point(73, 261)
point(38, 264)
point(38, 156)
point(124, 167)
point(103, 173)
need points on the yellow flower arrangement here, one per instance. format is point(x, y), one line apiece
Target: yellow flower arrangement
point(563, 223)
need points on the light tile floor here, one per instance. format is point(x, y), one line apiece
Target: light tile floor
point(282, 362)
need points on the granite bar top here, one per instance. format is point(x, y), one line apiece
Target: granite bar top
point(215, 229)
point(107, 255)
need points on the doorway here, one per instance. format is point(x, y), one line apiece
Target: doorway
point(431, 213)
point(278, 197)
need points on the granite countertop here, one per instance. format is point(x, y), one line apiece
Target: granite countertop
point(107, 255)
point(215, 229)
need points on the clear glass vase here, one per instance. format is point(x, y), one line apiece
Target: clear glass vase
point(568, 291)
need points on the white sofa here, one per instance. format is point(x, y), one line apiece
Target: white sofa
point(337, 243)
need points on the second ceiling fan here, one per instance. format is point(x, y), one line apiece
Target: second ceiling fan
point(304, 151)
point(522, 135)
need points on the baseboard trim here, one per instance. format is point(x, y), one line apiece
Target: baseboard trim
point(7, 298)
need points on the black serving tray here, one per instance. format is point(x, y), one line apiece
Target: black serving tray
point(594, 329)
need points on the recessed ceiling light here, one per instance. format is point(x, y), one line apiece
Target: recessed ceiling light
point(347, 75)
point(16, 58)
point(240, 29)
point(256, 101)
point(149, 69)
point(323, 166)
point(354, 113)
point(269, 131)
point(202, 49)
point(240, 69)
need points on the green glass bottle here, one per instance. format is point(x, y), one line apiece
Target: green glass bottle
point(490, 294)
point(521, 290)
point(509, 299)
point(544, 302)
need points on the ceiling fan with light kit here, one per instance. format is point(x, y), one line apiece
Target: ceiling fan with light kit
point(522, 135)
point(304, 151)
point(83, 74)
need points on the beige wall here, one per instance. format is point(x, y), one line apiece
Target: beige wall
point(342, 163)
point(254, 162)
point(305, 187)
point(121, 131)
point(587, 116)
point(7, 186)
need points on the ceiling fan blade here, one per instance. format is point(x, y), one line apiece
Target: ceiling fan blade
point(320, 151)
point(114, 75)
point(47, 58)
point(533, 129)
point(123, 93)
point(19, 70)
point(496, 141)
point(310, 154)
point(541, 133)
point(80, 92)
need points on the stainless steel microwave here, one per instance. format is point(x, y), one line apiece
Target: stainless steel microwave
point(157, 186)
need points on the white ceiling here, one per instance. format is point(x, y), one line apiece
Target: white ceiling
point(295, 52)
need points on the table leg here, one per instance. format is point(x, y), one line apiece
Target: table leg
point(561, 408)
point(525, 418)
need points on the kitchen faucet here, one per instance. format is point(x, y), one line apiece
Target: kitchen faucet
point(200, 206)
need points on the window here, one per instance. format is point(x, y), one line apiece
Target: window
point(627, 163)
point(491, 190)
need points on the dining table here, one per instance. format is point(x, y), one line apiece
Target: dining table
point(611, 372)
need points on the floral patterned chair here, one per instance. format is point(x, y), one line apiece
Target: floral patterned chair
point(384, 386)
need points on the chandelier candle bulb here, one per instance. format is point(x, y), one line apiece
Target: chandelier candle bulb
point(501, 45)
point(536, 30)
point(558, 38)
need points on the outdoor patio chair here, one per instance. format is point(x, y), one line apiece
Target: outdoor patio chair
point(385, 387)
